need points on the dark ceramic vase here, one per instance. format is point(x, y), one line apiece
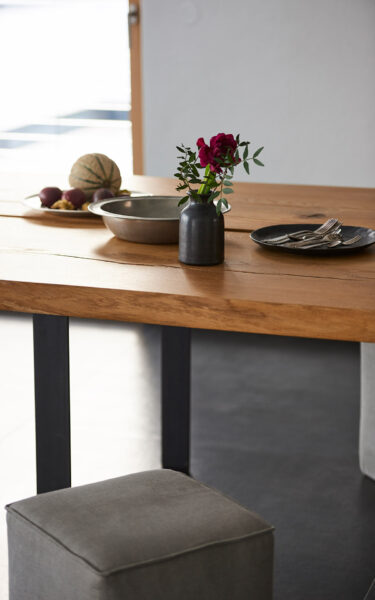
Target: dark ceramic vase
point(201, 237)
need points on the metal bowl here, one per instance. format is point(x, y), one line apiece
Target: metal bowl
point(145, 219)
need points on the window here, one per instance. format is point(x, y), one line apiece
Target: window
point(65, 75)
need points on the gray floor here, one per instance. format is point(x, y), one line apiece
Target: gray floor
point(274, 422)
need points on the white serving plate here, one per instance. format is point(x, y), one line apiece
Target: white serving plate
point(33, 202)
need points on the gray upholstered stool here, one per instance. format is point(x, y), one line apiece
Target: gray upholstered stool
point(157, 535)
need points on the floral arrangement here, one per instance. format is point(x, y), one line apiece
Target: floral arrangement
point(218, 159)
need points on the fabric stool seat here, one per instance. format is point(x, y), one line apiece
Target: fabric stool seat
point(157, 535)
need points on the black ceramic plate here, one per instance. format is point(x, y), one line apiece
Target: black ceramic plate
point(260, 236)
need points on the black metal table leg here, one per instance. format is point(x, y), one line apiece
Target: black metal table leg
point(52, 402)
point(175, 378)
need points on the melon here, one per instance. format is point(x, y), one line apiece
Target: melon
point(93, 171)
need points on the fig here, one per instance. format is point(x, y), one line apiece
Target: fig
point(49, 196)
point(102, 194)
point(75, 196)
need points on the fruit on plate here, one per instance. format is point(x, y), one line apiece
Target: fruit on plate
point(75, 196)
point(102, 194)
point(94, 171)
point(49, 195)
point(63, 204)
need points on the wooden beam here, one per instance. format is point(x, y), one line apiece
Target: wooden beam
point(136, 90)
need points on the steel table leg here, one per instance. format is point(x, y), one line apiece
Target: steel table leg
point(175, 395)
point(52, 402)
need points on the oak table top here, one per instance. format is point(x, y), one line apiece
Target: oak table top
point(75, 267)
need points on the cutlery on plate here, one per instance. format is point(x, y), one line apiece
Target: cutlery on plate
point(322, 230)
point(329, 241)
point(332, 236)
point(322, 243)
point(352, 240)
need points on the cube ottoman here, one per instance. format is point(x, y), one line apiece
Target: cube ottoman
point(156, 535)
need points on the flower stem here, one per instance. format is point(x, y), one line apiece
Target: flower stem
point(209, 178)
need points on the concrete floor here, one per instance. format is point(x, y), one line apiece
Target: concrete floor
point(274, 425)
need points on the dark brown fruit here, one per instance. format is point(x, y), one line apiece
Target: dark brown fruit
point(75, 196)
point(49, 196)
point(102, 194)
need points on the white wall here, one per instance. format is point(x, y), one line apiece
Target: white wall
point(297, 76)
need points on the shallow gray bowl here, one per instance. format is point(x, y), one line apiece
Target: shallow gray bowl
point(144, 219)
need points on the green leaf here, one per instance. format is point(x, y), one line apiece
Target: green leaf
point(257, 152)
point(218, 207)
point(238, 138)
point(180, 149)
point(213, 195)
point(226, 182)
point(246, 167)
point(257, 162)
point(225, 202)
point(183, 200)
point(227, 191)
point(246, 153)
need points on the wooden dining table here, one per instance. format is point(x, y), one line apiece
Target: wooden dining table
point(57, 267)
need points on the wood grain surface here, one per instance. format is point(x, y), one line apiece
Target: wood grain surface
point(253, 204)
point(258, 204)
point(75, 267)
point(88, 239)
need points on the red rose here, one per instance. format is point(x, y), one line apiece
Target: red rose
point(219, 146)
point(205, 156)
